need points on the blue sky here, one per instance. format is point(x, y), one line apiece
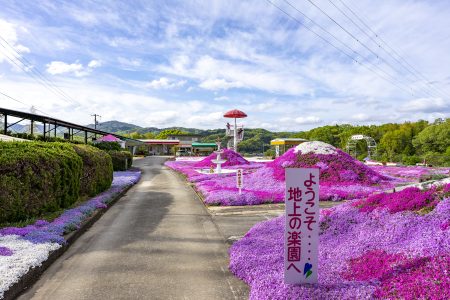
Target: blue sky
point(184, 63)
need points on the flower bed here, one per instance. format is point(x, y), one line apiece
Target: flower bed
point(342, 177)
point(22, 248)
point(397, 249)
point(410, 173)
point(232, 159)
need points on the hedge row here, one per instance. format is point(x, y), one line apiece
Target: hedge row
point(38, 177)
point(97, 173)
point(121, 160)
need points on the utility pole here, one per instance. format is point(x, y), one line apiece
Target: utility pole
point(95, 122)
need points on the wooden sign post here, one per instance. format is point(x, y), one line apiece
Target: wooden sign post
point(239, 180)
point(301, 236)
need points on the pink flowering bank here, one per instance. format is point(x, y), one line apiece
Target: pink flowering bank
point(393, 246)
point(341, 176)
point(410, 173)
point(232, 159)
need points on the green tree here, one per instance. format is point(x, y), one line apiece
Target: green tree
point(165, 133)
point(434, 138)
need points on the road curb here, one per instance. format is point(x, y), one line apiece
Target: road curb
point(33, 275)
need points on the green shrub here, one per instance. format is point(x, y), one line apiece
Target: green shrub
point(108, 146)
point(97, 170)
point(122, 160)
point(411, 160)
point(37, 177)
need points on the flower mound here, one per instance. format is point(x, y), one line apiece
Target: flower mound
point(363, 254)
point(334, 164)
point(342, 177)
point(22, 248)
point(232, 158)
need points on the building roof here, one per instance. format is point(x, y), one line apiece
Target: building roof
point(161, 142)
point(204, 145)
point(283, 141)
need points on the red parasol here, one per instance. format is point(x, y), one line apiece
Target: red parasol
point(235, 113)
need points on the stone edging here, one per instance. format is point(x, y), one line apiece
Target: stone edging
point(33, 275)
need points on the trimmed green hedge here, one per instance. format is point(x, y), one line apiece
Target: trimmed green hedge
point(97, 170)
point(122, 160)
point(37, 177)
point(107, 146)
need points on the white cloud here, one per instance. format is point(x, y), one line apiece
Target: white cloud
point(129, 64)
point(225, 50)
point(94, 64)
point(266, 105)
point(165, 83)
point(11, 52)
point(60, 67)
point(219, 84)
point(221, 98)
point(307, 120)
point(428, 105)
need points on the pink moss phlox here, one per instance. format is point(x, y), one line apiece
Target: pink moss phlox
point(232, 159)
point(403, 255)
point(337, 167)
point(412, 199)
point(409, 173)
point(372, 265)
point(421, 278)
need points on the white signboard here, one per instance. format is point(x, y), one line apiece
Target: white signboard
point(301, 236)
point(277, 150)
point(357, 137)
point(239, 179)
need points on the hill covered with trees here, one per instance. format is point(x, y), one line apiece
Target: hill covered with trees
point(408, 143)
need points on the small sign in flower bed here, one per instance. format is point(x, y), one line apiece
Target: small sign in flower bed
point(23, 248)
point(341, 176)
point(385, 246)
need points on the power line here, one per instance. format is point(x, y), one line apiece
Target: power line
point(340, 50)
point(14, 99)
point(352, 50)
point(357, 40)
point(38, 75)
point(32, 75)
point(407, 67)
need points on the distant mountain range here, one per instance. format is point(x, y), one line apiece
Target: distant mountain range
point(125, 128)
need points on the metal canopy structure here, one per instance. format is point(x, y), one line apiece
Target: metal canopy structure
point(371, 145)
point(51, 124)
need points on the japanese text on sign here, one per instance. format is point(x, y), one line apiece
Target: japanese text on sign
point(302, 230)
point(239, 179)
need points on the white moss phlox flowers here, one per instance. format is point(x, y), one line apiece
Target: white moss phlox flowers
point(315, 147)
point(26, 255)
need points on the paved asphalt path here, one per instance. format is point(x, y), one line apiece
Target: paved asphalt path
point(157, 242)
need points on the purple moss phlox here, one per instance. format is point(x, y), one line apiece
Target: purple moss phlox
point(381, 254)
point(43, 231)
point(5, 251)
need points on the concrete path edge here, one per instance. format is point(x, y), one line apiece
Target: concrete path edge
point(33, 275)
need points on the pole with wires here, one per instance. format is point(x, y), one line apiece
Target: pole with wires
point(95, 122)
